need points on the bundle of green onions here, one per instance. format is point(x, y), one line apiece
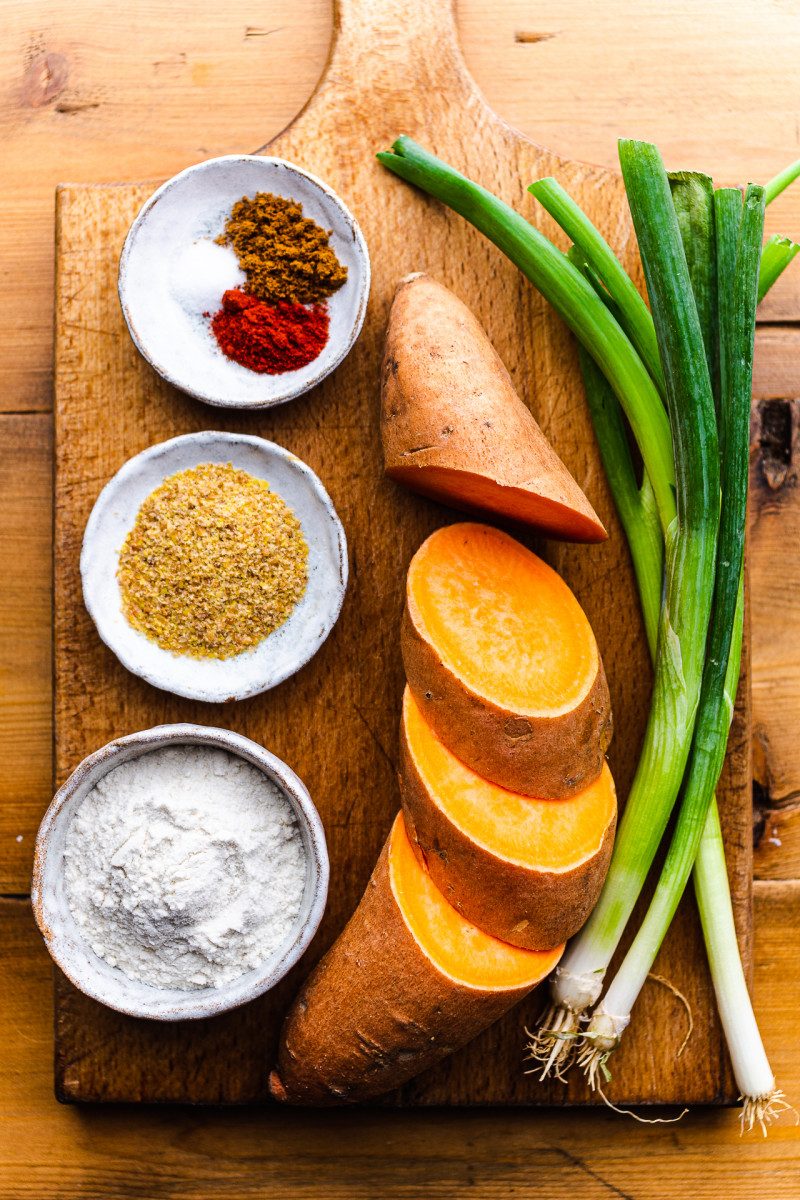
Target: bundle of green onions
point(681, 373)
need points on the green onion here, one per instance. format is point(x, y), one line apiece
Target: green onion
point(763, 1102)
point(728, 212)
point(690, 555)
point(635, 505)
point(693, 198)
point(634, 315)
point(781, 181)
point(721, 673)
point(776, 255)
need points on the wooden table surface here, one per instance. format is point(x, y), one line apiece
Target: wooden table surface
point(139, 90)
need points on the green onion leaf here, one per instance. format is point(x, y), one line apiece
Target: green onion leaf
point(693, 197)
point(776, 255)
point(781, 181)
point(634, 315)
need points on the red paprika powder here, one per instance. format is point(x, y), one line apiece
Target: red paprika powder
point(269, 338)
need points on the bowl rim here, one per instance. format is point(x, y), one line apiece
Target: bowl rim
point(362, 254)
point(130, 469)
point(206, 1002)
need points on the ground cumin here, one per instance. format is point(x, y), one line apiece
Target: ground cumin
point(285, 255)
point(214, 563)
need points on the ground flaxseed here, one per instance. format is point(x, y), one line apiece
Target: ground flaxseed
point(215, 562)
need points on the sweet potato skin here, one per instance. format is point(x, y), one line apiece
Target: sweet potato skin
point(376, 1011)
point(454, 428)
point(547, 757)
point(536, 910)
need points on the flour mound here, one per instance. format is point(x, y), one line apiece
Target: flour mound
point(185, 868)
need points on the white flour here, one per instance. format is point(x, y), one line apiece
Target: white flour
point(185, 867)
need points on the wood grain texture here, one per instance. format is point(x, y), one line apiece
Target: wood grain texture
point(48, 1150)
point(171, 82)
point(109, 405)
point(776, 368)
point(714, 86)
point(127, 91)
point(107, 1152)
point(26, 482)
point(774, 526)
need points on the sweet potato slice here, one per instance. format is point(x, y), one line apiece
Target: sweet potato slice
point(409, 981)
point(503, 663)
point(527, 871)
point(454, 428)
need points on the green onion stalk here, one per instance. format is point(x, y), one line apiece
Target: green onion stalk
point(629, 307)
point(778, 251)
point(738, 241)
point(762, 1101)
point(696, 840)
point(689, 576)
point(635, 503)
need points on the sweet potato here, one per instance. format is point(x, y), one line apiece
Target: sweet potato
point(503, 663)
point(454, 428)
point(409, 981)
point(527, 871)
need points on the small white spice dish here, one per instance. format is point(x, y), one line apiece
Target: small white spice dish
point(110, 986)
point(285, 650)
point(158, 264)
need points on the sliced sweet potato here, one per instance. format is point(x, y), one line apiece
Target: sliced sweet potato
point(503, 663)
point(454, 428)
point(527, 871)
point(409, 981)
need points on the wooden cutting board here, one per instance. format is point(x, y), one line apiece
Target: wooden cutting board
point(394, 68)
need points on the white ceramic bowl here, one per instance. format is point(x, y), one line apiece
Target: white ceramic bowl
point(192, 207)
point(280, 654)
point(108, 984)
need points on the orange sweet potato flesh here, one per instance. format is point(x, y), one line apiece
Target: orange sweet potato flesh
point(526, 870)
point(454, 428)
point(407, 982)
point(503, 663)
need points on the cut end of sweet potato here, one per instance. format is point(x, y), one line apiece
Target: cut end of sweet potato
point(455, 946)
point(503, 620)
point(528, 871)
point(477, 494)
point(545, 835)
point(454, 428)
point(503, 663)
point(407, 982)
